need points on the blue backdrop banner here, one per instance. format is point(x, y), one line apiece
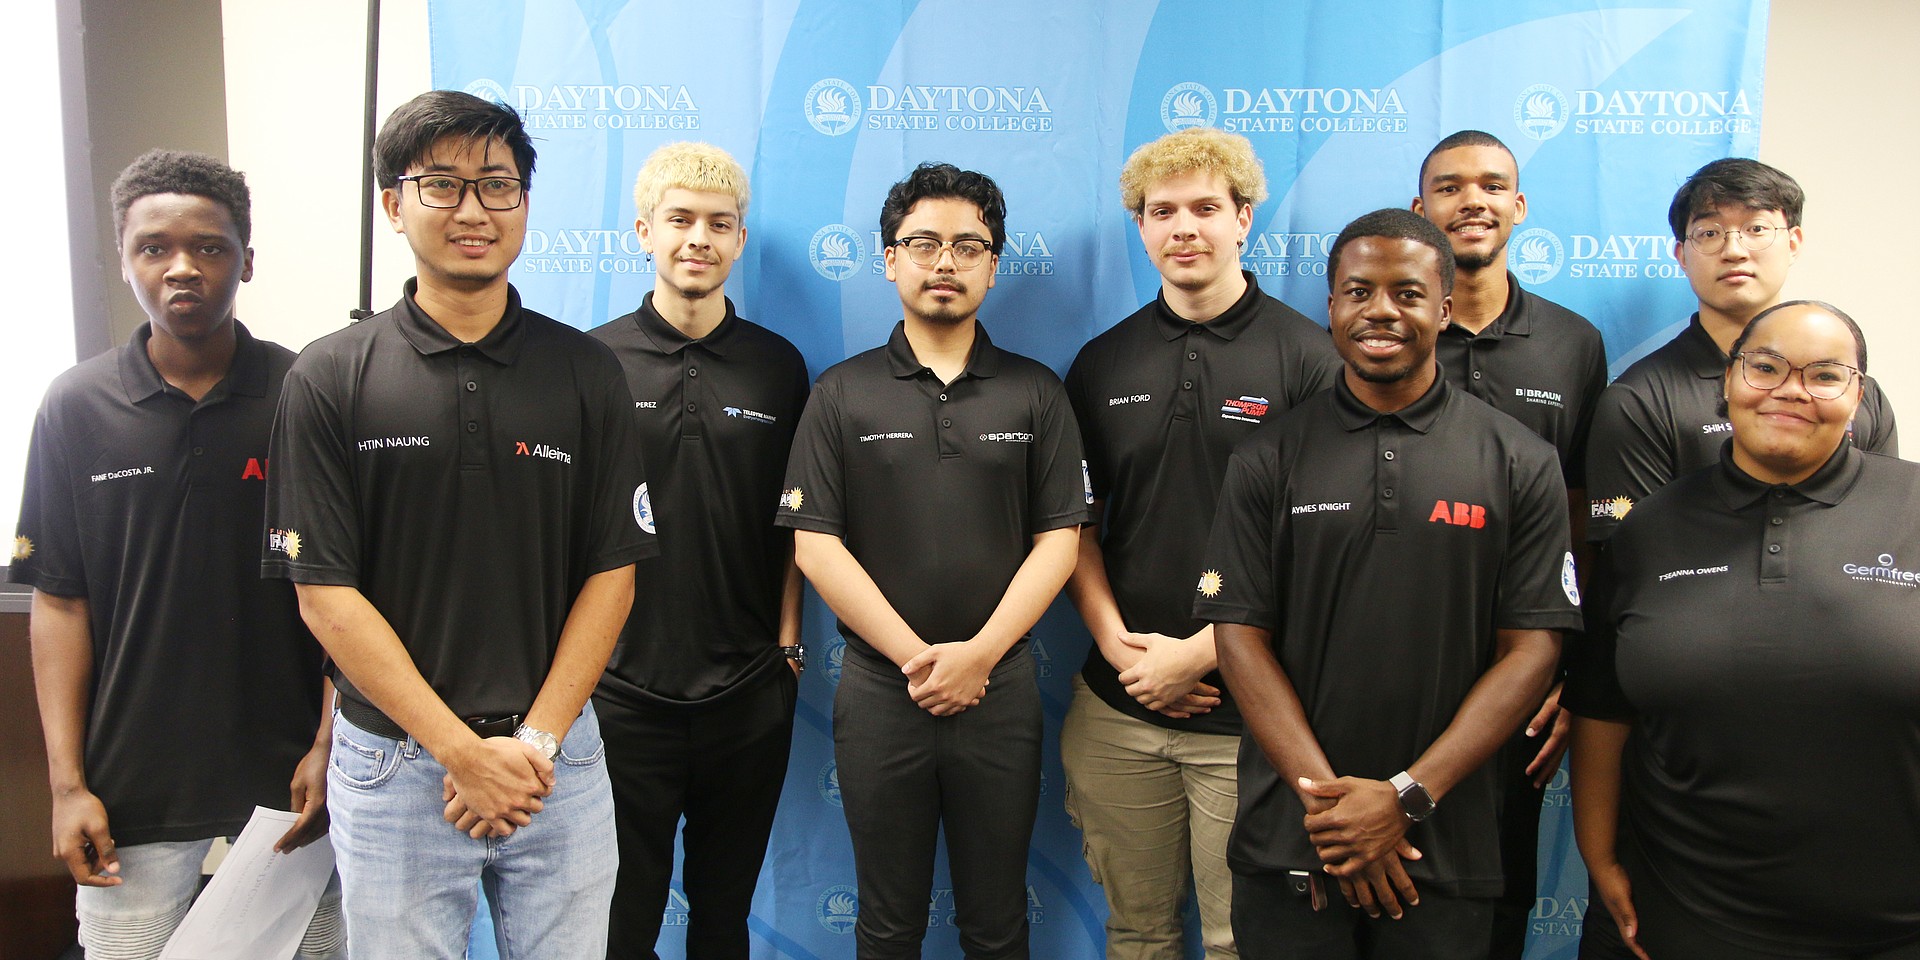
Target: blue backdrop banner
point(1606, 105)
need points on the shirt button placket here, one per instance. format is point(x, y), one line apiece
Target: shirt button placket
point(1386, 508)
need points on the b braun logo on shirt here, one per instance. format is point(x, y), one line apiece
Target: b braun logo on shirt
point(284, 541)
point(120, 474)
point(1548, 397)
point(389, 443)
point(523, 449)
point(1246, 409)
point(752, 416)
point(1882, 570)
point(1470, 515)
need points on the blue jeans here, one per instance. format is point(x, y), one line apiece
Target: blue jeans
point(408, 876)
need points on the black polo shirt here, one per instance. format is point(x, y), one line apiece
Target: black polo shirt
point(1384, 551)
point(467, 490)
point(1662, 419)
point(1161, 402)
point(715, 417)
point(938, 490)
point(206, 685)
point(1537, 362)
point(1768, 655)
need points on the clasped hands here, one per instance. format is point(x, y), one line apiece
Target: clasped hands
point(1163, 674)
point(1359, 829)
point(494, 786)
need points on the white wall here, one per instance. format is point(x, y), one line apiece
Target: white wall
point(1838, 102)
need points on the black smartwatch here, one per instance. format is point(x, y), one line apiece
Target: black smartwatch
point(1414, 798)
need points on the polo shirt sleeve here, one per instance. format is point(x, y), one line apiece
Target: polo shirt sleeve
point(46, 551)
point(1593, 384)
point(1058, 487)
point(1236, 582)
point(1629, 455)
point(813, 497)
point(313, 517)
point(1884, 436)
point(1593, 685)
point(1537, 590)
point(620, 526)
point(1099, 476)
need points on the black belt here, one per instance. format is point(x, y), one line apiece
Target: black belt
point(373, 721)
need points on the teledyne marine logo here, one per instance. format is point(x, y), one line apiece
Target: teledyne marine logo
point(488, 90)
point(838, 908)
point(1537, 255)
point(836, 251)
point(1188, 105)
point(1541, 111)
point(833, 106)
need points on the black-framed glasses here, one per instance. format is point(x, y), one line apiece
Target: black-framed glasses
point(1757, 235)
point(444, 191)
point(925, 251)
point(1823, 380)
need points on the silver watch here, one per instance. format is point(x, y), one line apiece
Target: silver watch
point(546, 743)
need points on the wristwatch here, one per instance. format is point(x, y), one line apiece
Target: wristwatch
point(797, 653)
point(546, 743)
point(1414, 798)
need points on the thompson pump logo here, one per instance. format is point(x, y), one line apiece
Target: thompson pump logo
point(1537, 255)
point(1188, 105)
point(838, 908)
point(833, 107)
point(1541, 111)
point(836, 251)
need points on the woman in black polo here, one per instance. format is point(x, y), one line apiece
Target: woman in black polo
point(1746, 772)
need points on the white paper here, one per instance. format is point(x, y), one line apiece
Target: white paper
point(259, 902)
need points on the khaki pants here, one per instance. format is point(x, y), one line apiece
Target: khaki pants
point(1155, 805)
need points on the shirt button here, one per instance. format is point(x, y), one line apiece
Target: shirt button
point(471, 386)
point(946, 423)
point(473, 426)
point(1387, 493)
point(1193, 355)
point(1388, 455)
point(198, 451)
point(1776, 521)
point(1773, 548)
point(1476, 374)
point(1186, 385)
point(693, 408)
point(943, 397)
point(693, 371)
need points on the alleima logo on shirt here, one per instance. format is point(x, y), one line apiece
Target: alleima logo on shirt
point(1470, 515)
point(1615, 508)
point(838, 908)
point(1882, 570)
point(1569, 580)
point(1210, 583)
point(284, 541)
point(793, 499)
point(256, 469)
point(643, 508)
point(521, 448)
point(829, 783)
point(22, 548)
point(755, 416)
point(1246, 409)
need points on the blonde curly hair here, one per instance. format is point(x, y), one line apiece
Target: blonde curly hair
point(1208, 149)
point(690, 166)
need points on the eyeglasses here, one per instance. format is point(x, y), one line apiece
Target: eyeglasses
point(443, 192)
point(1757, 235)
point(925, 251)
point(1823, 380)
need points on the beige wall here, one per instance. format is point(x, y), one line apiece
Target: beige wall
point(1837, 102)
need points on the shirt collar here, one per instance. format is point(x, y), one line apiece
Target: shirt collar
point(1699, 352)
point(984, 361)
point(1828, 485)
point(247, 377)
point(1227, 325)
point(668, 339)
point(1515, 319)
point(1419, 415)
point(501, 344)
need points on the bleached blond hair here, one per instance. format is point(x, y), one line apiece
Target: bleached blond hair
point(1208, 149)
point(689, 166)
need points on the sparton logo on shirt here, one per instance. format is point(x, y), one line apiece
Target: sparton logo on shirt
point(792, 499)
point(1613, 509)
point(284, 541)
point(1210, 583)
point(22, 548)
point(1470, 515)
point(256, 469)
point(523, 449)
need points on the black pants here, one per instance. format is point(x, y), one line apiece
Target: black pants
point(1272, 920)
point(1519, 845)
point(721, 767)
point(905, 774)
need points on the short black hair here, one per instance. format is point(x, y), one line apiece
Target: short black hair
point(1859, 339)
point(414, 127)
point(1393, 223)
point(1734, 181)
point(175, 171)
point(942, 181)
point(1462, 138)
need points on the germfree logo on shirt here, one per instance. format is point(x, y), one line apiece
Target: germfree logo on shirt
point(284, 541)
point(1882, 570)
point(521, 448)
point(1246, 409)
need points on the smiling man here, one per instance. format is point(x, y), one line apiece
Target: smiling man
point(936, 492)
point(1386, 577)
point(177, 689)
point(697, 703)
point(457, 495)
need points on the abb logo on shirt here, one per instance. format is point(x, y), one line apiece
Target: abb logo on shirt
point(1470, 515)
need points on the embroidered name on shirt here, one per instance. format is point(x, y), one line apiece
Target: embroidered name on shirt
point(646, 404)
point(1322, 508)
point(1548, 397)
point(1713, 428)
point(385, 443)
point(869, 438)
point(1690, 572)
point(1009, 437)
point(1131, 398)
point(1470, 515)
point(1245, 409)
point(117, 474)
point(753, 415)
point(520, 449)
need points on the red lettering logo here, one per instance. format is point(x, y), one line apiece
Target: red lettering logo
point(1470, 515)
point(520, 449)
point(256, 469)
